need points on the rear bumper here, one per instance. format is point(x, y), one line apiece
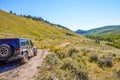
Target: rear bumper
point(12, 58)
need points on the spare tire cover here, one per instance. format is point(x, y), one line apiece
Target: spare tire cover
point(5, 51)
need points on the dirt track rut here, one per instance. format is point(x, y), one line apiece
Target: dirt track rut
point(28, 71)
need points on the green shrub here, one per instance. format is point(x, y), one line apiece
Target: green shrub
point(78, 69)
point(114, 45)
point(97, 41)
point(52, 59)
point(81, 75)
point(68, 64)
point(85, 51)
point(116, 73)
point(44, 73)
point(72, 51)
point(93, 58)
point(106, 62)
point(114, 55)
point(61, 55)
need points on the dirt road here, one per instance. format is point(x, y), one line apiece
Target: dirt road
point(28, 71)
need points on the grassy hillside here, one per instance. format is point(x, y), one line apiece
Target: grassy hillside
point(106, 31)
point(39, 31)
point(111, 34)
point(82, 59)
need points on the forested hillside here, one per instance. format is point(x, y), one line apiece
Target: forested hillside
point(106, 30)
point(110, 34)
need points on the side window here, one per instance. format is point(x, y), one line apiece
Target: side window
point(22, 43)
point(27, 42)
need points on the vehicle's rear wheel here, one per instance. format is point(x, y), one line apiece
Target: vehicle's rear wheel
point(5, 51)
point(24, 58)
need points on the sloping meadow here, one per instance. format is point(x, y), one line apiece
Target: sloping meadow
point(82, 59)
point(42, 33)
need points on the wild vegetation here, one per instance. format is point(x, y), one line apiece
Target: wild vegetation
point(107, 33)
point(110, 40)
point(43, 33)
point(105, 30)
point(82, 59)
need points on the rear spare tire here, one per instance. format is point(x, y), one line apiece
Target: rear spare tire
point(5, 51)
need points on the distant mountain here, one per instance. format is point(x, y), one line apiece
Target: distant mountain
point(81, 31)
point(106, 31)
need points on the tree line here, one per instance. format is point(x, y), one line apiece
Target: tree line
point(111, 40)
point(39, 19)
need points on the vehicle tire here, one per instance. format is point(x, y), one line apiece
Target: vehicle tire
point(24, 58)
point(35, 53)
point(2, 62)
point(5, 51)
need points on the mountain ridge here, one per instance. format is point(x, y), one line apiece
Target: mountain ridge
point(105, 30)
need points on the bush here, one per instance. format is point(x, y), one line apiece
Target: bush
point(93, 58)
point(114, 45)
point(114, 55)
point(52, 59)
point(68, 64)
point(72, 51)
point(61, 55)
point(106, 62)
point(77, 69)
point(116, 74)
point(81, 75)
point(85, 51)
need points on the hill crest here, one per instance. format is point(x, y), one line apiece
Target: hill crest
point(105, 30)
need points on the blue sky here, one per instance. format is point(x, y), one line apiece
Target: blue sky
point(74, 14)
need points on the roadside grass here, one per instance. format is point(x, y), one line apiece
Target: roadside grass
point(82, 59)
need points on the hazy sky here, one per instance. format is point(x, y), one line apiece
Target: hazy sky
point(74, 14)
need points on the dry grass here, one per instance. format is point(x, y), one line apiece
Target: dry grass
point(43, 34)
point(73, 61)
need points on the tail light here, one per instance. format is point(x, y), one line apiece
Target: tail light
point(18, 50)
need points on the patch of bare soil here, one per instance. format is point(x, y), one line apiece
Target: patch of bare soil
point(28, 71)
point(64, 44)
